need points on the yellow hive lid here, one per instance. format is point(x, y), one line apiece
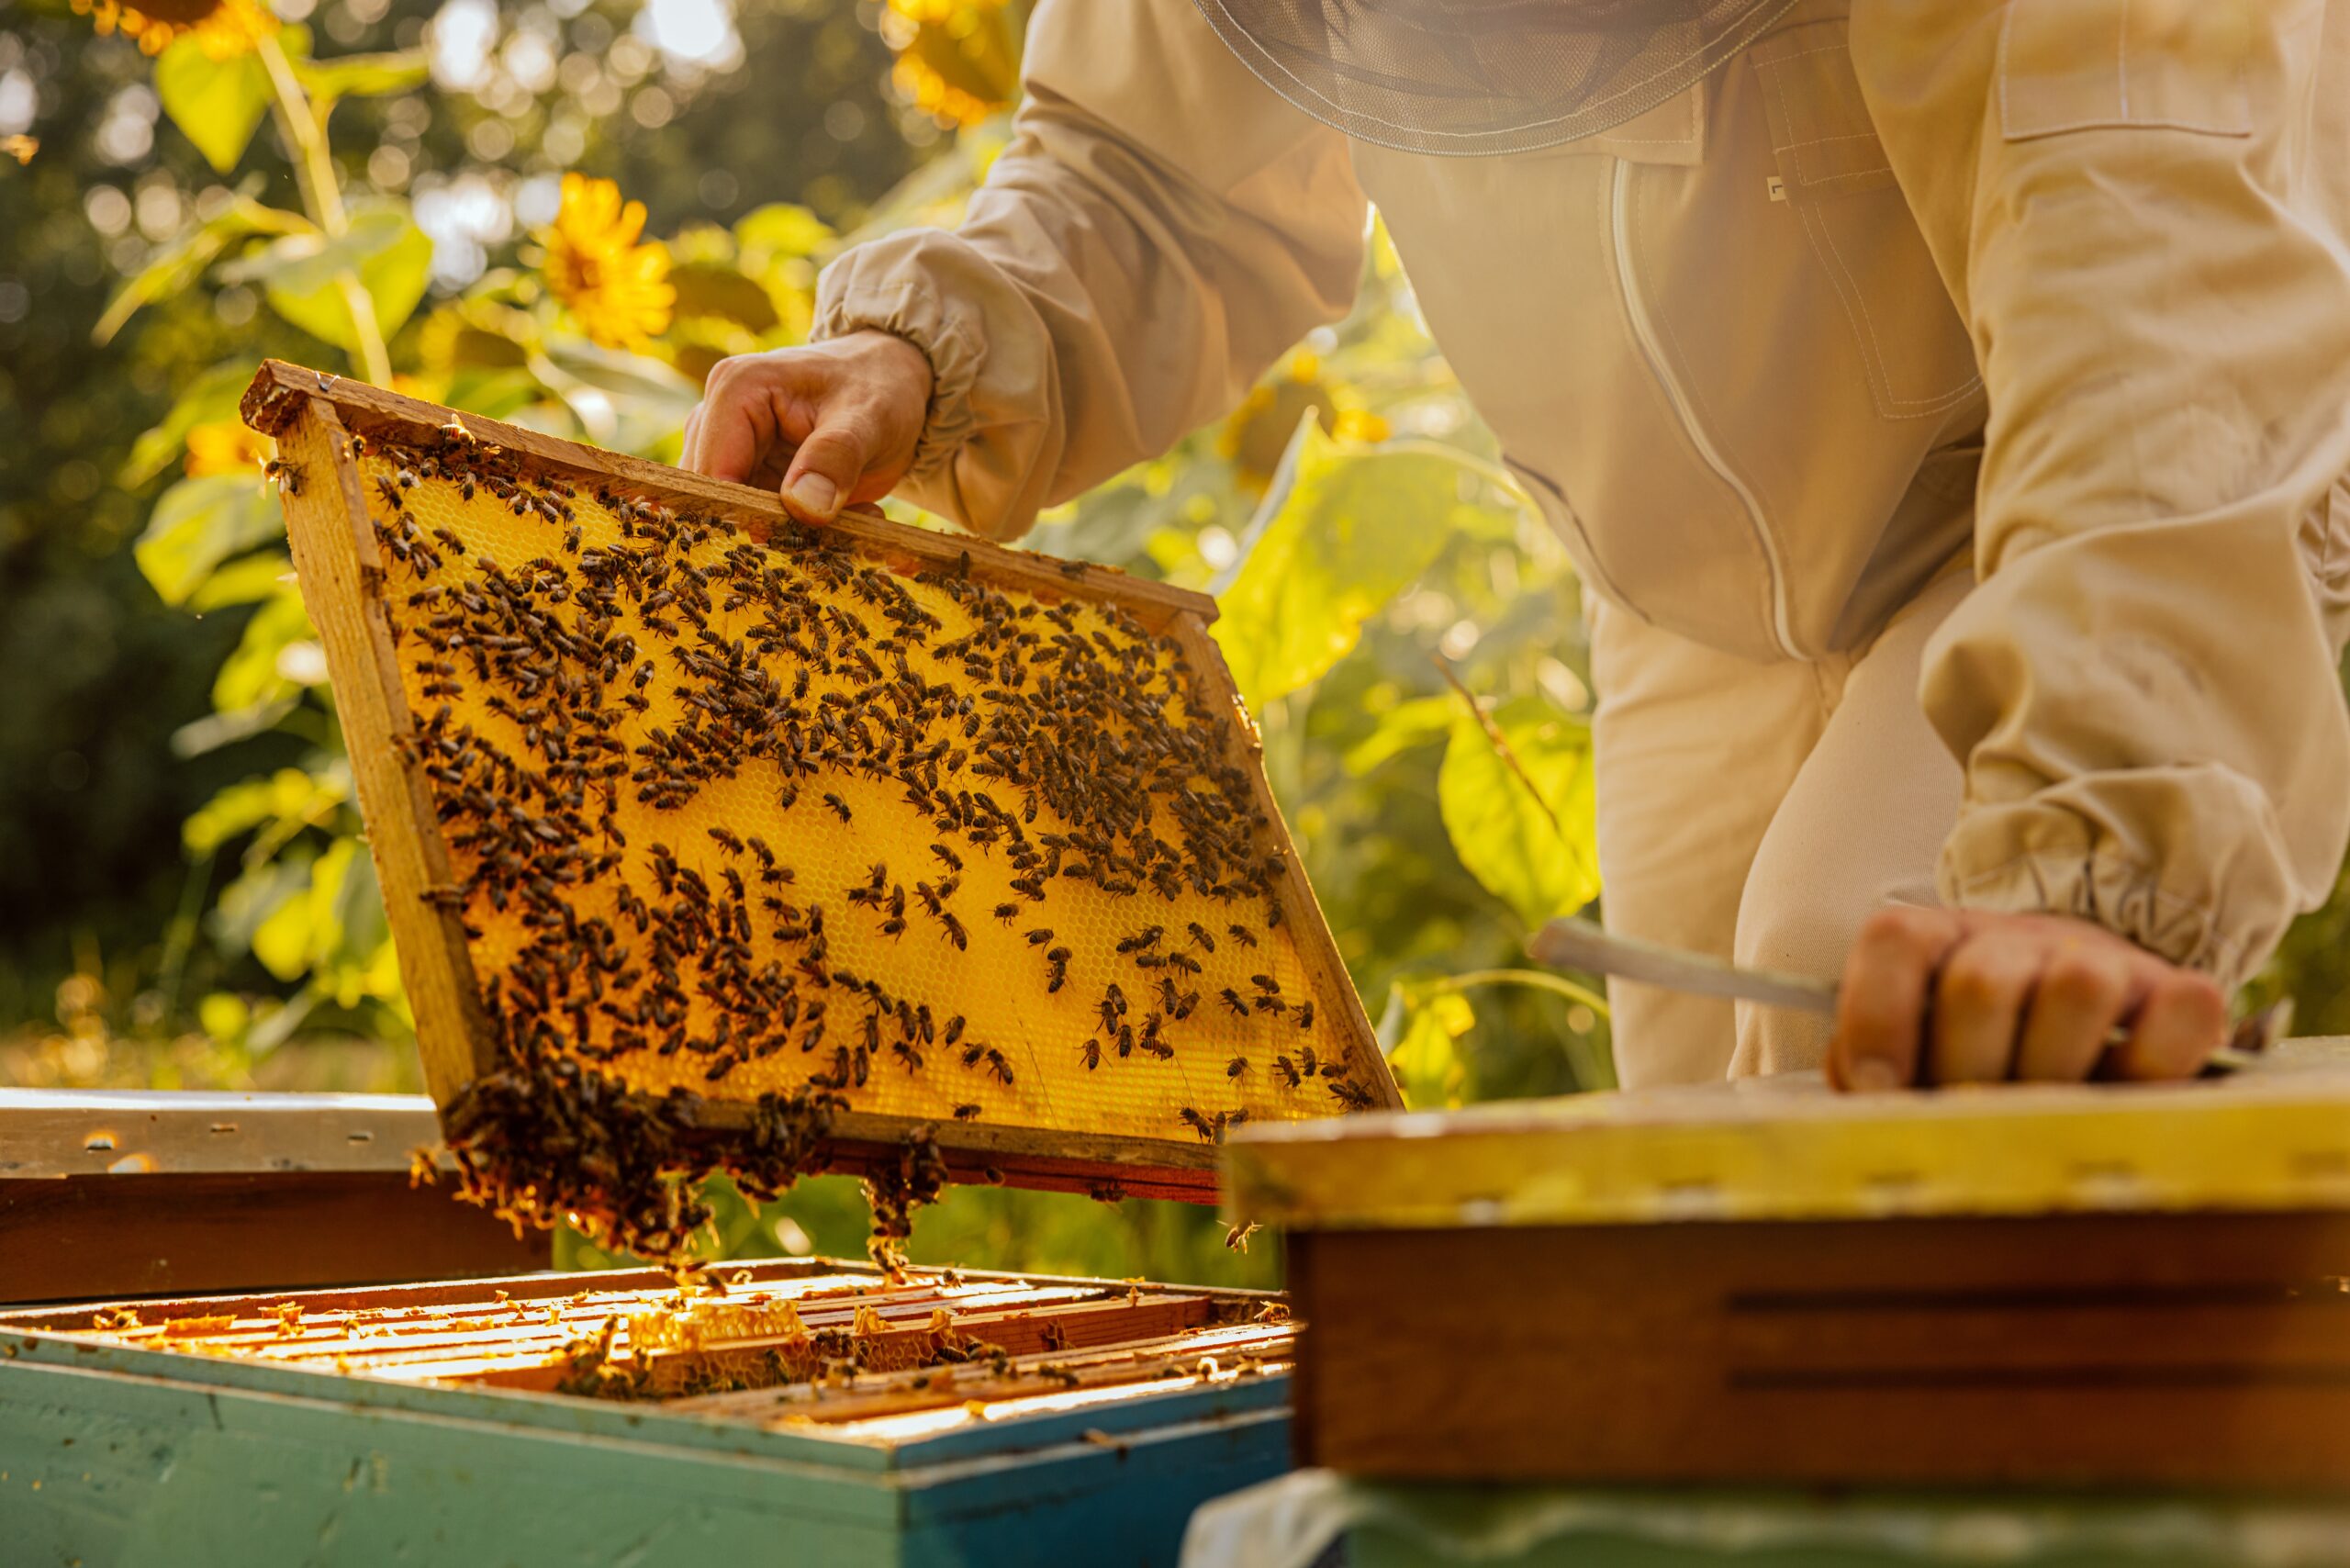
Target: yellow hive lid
point(1791, 1149)
point(673, 796)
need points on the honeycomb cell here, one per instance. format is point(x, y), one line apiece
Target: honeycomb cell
point(744, 816)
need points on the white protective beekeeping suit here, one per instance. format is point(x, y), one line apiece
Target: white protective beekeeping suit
point(1945, 403)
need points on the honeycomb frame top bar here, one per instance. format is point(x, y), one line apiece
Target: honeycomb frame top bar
point(1083, 1116)
point(279, 390)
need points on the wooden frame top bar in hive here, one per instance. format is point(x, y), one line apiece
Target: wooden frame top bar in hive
point(669, 792)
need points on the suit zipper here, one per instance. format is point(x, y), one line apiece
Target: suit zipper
point(1644, 331)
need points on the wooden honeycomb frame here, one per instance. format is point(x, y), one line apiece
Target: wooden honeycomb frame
point(318, 418)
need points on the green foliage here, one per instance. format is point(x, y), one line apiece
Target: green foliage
point(199, 523)
point(219, 104)
point(1515, 794)
point(1341, 535)
point(302, 275)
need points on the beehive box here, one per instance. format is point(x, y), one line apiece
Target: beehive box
point(709, 837)
point(2088, 1286)
point(1072, 1421)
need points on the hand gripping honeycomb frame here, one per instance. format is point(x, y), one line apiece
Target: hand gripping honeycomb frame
point(677, 801)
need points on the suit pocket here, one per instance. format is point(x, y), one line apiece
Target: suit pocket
point(1833, 173)
point(2093, 64)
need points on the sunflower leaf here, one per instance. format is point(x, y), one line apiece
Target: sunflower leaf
point(301, 273)
point(219, 104)
point(1525, 832)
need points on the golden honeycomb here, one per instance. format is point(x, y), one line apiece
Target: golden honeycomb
point(747, 816)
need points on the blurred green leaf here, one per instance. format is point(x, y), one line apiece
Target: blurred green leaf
point(384, 248)
point(1426, 1055)
point(288, 795)
point(707, 289)
point(210, 398)
point(242, 581)
point(1342, 532)
point(277, 655)
point(1423, 720)
point(305, 928)
point(782, 230)
point(364, 75)
point(1536, 854)
point(219, 104)
point(198, 524)
point(255, 897)
point(182, 262)
point(622, 401)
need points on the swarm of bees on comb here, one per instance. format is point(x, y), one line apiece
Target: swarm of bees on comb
point(773, 819)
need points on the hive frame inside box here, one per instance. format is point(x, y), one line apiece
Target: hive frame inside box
point(119, 1454)
point(314, 418)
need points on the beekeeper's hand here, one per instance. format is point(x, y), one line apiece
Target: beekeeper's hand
point(826, 426)
point(1935, 996)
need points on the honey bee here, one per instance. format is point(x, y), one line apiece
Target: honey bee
point(966, 1112)
point(1232, 1000)
point(1000, 1065)
point(1141, 941)
point(1305, 1014)
point(1092, 1052)
point(839, 807)
point(1286, 1070)
point(1007, 913)
point(1039, 937)
point(954, 862)
point(1236, 1068)
point(1241, 934)
point(1199, 936)
point(1209, 1131)
point(955, 933)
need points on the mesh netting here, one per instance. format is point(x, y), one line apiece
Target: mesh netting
point(1483, 77)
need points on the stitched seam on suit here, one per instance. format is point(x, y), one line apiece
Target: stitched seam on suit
point(1688, 141)
point(1848, 295)
point(2212, 126)
point(1921, 407)
point(1772, 587)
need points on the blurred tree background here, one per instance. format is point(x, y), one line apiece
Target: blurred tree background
point(562, 213)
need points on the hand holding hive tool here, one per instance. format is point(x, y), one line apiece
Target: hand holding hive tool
point(1568, 942)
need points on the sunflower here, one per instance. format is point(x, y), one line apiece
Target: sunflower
point(226, 28)
point(1256, 433)
point(225, 446)
point(618, 288)
point(958, 59)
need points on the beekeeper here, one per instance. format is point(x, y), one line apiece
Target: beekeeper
point(1946, 406)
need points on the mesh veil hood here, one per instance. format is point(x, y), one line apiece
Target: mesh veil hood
point(1468, 77)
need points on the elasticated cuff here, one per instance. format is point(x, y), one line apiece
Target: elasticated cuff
point(849, 300)
point(2119, 895)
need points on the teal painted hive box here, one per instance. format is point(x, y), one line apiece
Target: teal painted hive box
point(601, 1418)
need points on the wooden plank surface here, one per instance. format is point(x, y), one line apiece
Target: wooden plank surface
point(1791, 1149)
point(2148, 1351)
point(84, 1237)
point(76, 1132)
